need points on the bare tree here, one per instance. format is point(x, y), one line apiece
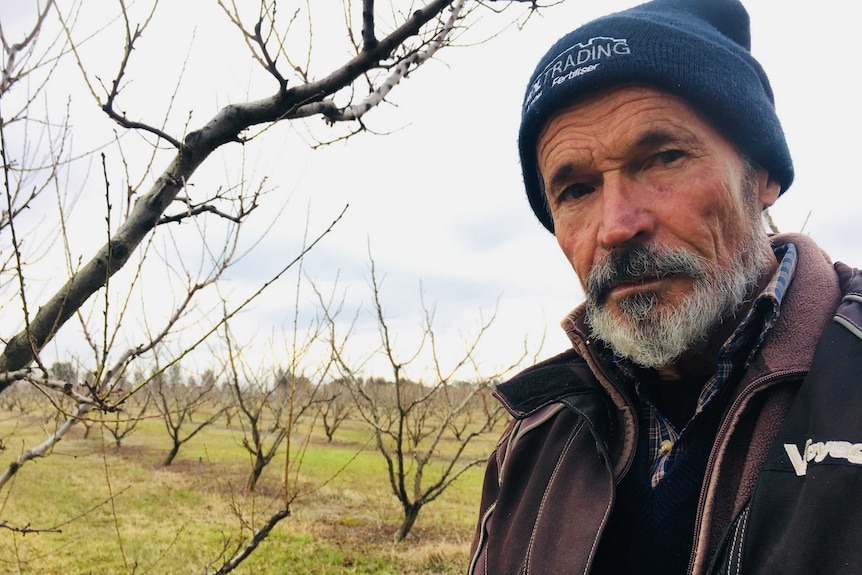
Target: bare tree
point(269, 407)
point(260, 406)
point(121, 424)
point(335, 406)
point(177, 403)
point(270, 402)
point(413, 421)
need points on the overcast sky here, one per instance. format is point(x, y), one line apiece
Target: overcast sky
point(439, 198)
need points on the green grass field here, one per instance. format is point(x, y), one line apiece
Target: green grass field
point(122, 511)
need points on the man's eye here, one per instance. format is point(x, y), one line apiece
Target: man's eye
point(669, 156)
point(574, 192)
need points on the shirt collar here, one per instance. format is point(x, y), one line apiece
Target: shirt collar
point(763, 314)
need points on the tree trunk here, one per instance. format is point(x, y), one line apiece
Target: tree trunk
point(411, 512)
point(259, 464)
point(174, 450)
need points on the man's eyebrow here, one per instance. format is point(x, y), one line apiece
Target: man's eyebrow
point(563, 175)
point(656, 138)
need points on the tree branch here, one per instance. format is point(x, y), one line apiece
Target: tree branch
point(256, 540)
point(204, 209)
point(108, 106)
point(9, 76)
point(369, 40)
point(335, 114)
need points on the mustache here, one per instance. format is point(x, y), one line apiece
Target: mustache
point(628, 265)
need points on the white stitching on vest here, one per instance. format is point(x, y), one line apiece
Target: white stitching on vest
point(565, 450)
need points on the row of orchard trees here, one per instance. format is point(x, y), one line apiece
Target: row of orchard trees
point(107, 121)
point(406, 420)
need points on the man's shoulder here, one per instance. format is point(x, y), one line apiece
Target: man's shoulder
point(546, 382)
point(564, 380)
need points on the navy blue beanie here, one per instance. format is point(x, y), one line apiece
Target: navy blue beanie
point(699, 50)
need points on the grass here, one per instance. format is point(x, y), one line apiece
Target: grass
point(122, 511)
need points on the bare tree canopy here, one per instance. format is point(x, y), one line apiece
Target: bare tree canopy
point(113, 234)
point(383, 53)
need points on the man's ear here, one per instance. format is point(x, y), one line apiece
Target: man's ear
point(767, 188)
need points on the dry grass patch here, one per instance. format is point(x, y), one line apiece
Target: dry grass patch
point(178, 519)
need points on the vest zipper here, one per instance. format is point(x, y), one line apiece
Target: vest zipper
point(747, 393)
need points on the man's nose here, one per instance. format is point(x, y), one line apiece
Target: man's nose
point(626, 213)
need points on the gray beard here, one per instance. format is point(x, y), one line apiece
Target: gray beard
point(652, 336)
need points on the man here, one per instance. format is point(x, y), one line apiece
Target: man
point(691, 428)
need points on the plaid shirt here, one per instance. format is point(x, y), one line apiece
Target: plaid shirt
point(667, 442)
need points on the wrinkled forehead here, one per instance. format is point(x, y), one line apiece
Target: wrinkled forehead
point(633, 115)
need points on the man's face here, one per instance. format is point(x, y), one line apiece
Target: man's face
point(657, 214)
